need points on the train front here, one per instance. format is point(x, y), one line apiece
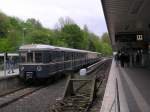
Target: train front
point(33, 62)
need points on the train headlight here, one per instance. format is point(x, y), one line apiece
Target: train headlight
point(22, 68)
point(39, 68)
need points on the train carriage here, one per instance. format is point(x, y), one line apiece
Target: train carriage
point(39, 61)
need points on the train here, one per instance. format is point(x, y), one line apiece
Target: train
point(40, 61)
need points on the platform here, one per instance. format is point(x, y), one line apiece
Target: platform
point(133, 90)
point(16, 71)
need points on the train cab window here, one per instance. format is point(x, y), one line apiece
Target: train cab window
point(29, 57)
point(23, 57)
point(38, 57)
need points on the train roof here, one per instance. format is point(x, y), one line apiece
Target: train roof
point(49, 47)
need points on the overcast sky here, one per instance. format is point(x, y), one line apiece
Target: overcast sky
point(48, 12)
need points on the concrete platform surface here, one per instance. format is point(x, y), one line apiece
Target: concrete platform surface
point(133, 90)
point(16, 72)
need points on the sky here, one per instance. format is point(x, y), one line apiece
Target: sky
point(48, 12)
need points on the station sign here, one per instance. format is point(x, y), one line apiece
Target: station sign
point(129, 36)
point(139, 37)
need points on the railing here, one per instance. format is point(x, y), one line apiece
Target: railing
point(115, 107)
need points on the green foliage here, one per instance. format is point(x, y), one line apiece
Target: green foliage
point(95, 43)
point(39, 37)
point(15, 32)
point(5, 45)
point(105, 38)
point(85, 44)
point(4, 25)
point(73, 35)
point(106, 49)
point(15, 23)
point(14, 40)
point(33, 23)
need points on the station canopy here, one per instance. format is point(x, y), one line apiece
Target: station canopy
point(128, 22)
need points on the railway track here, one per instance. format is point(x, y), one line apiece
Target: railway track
point(10, 97)
point(7, 98)
point(81, 92)
point(4, 93)
point(38, 101)
point(78, 102)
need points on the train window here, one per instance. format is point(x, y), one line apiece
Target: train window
point(61, 56)
point(66, 56)
point(23, 57)
point(75, 55)
point(38, 57)
point(49, 58)
point(29, 57)
point(58, 56)
point(72, 56)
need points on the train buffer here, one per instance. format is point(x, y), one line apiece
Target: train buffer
point(78, 95)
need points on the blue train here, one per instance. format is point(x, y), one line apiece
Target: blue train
point(38, 61)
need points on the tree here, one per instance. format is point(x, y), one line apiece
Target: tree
point(95, 43)
point(5, 45)
point(105, 38)
point(73, 35)
point(85, 38)
point(62, 22)
point(15, 23)
point(15, 40)
point(39, 37)
point(33, 23)
point(13, 31)
point(59, 38)
point(4, 25)
point(106, 49)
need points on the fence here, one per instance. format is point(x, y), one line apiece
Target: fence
point(4, 65)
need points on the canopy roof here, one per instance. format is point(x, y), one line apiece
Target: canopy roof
point(125, 17)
